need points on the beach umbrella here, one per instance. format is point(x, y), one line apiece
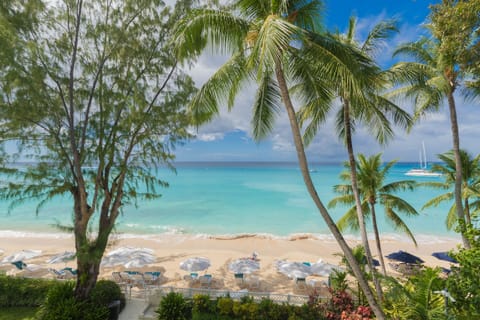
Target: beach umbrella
point(323, 269)
point(129, 257)
point(195, 264)
point(244, 266)
point(22, 255)
point(444, 256)
point(403, 256)
point(62, 257)
point(294, 269)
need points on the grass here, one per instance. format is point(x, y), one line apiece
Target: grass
point(17, 313)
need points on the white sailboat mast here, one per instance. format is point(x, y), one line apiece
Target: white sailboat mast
point(424, 155)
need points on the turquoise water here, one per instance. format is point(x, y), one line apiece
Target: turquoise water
point(235, 198)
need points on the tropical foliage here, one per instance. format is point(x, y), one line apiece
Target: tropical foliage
point(373, 190)
point(361, 102)
point(419, 298)
point(470, 185)
point(463, 282)
point(436, 74)
point(274, 44)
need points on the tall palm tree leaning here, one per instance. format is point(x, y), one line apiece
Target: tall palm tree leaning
point(470, 184)
point(272, 42)
point(436, 75)
point(366, 105)
point(371, 177)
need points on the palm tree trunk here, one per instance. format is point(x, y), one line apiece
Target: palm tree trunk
point(356, 195)
point(468, 219)
point(377, 238)
point(458, 167)
point(302, 160)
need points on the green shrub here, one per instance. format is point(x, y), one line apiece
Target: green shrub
point(269, 310)
point(105, 292)
point(225, 306)
point(23, 292)
point(174, 307)
point(60, 303)
point(203, 304)
point(247, 310)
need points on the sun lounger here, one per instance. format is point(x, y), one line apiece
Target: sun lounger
point(61, 274)
point(152, 278)
point(205, 280)
point(239, 279)
point(300, 284)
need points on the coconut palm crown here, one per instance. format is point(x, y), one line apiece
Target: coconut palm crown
point(470, 185)
point(373, 190)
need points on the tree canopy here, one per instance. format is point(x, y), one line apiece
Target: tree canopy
point(96, 105)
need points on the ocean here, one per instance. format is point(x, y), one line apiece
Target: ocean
point(231, 199)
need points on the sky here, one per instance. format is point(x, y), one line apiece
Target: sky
point(228, 136)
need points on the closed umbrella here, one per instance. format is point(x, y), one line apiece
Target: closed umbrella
point(62, 257)
point(195, 264)
point(294, 269)
point(405, 257)
point(244, 266)
point(444, 256)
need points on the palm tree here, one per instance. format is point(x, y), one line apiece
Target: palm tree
point(371, 178)
point(366, 105)
point(470, 184)
point(273, 42)
point(434, 77)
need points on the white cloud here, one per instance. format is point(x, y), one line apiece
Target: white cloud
point(210, 136)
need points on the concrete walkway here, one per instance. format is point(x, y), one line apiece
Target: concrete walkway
point(133, 309)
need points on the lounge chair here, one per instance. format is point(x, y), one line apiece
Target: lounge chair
point(300, 284)
point(20, 265)
point(71, 273)
point(239, 279)
point(61, 274)
point(205, 280)
point(152, 278)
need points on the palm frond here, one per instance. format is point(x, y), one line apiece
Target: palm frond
point(273, 41)
point(349, 220)
point(345, 200)
point(394, 202)
point(380, 32)
point(203, 26)
point(222, 86)
point(265, 107)
point(434, 202)
point(306, 14)
point(399, 224)
point(417, 50)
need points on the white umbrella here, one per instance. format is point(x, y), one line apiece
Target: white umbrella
point(129, 257)
point(324, 269)
point(22, 255)
point(195, 264)
point(62, 257)
point(244, 266)
point(294, 269)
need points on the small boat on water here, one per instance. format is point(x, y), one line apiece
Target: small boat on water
point(423, 171)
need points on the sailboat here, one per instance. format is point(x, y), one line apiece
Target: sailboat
point(423, 170)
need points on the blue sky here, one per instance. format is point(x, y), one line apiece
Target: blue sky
point(228, 137)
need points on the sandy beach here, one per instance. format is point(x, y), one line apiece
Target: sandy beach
point(170, 250)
